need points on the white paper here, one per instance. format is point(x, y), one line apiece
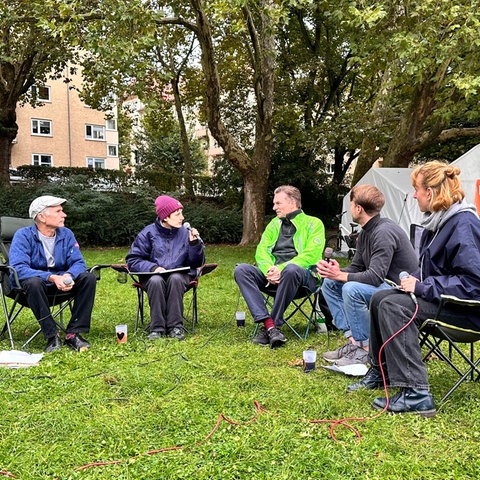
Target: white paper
point(357, 370)
point(19, 359)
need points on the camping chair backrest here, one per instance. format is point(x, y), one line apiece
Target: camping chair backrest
point(8, 227)
point(416, 232)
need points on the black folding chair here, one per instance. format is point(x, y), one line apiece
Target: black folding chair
point(16, 295)
point(434, 333)
point(310, 305)
point(190, 315)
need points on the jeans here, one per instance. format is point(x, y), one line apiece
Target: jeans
point(390, 311)
point(165, 297)
point(41, 295)
point(252, 282)
point(348, 302)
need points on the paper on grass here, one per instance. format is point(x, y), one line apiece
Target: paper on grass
point(19, 359)
point(357, 370)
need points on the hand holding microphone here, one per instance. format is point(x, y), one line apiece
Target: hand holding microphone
point(402, 276)
point(193, 231)
point(327, 254)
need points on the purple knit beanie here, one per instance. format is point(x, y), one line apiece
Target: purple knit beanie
point(165, 206)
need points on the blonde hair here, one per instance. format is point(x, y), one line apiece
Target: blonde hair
point(369, 197)
point(443, 180)
point(291, 192)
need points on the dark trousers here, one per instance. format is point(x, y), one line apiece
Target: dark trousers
point(165, 297)
point(42, 295)
point(390, 311)
point(252, 282)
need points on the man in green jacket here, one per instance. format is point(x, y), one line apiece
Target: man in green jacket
point(291, 243)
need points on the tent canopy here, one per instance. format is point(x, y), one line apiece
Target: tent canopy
point(396, 185)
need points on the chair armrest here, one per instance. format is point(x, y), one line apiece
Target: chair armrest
point(95, 269)
point(122, 268)
point(207, 268)
point(459, 301)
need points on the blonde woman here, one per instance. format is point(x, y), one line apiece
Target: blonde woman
point(448, 264)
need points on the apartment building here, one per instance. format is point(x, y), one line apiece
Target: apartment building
point(63, 131)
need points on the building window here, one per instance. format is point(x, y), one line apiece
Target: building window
point(111, 124)
point(41, 127)
point(112, 151)
point(41, 93)
point(95, 163)
point(95, 132)
point(42, 160)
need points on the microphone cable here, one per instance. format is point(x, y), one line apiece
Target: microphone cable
point(344, 421)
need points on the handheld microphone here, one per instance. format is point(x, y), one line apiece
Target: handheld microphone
point(412, 295)
point(327, 254)
point(68, 281)
point(188, 227)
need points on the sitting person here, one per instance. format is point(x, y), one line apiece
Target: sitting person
point(290, 244)
point(165, 245)
point(449, 260)
point(48, 261)
point(383, 251)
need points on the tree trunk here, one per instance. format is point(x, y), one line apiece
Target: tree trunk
point(8, 132)
point(187, 158)
point(255, 168)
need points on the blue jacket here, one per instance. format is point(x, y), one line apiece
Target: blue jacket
point(450, 259)
point(28, 258)
point(156, 246)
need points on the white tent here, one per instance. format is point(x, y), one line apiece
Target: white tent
point(396, 185)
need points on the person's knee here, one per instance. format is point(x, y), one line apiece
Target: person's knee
point(33, 283)
point(354, 290)
point(241, 271)
point(294, 272)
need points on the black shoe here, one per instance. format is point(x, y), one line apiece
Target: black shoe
point(53, 343)
point(78, 343)
point(177, 333)
point(276, 337)
point(155, 335)
point(408, 400)
point(261, 338)
point(372, 379)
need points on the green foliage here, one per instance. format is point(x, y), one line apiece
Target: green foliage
point(114, 218)
point(117, 402)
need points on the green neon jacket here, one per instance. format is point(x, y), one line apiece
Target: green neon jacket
point(309, 241)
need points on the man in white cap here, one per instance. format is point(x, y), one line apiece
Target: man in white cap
point(50, 267)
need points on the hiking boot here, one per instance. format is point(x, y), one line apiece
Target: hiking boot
point(408, 400)
point(276, 338)
point(176, 333)
point(354, 357)
point(335, 355)
point(261, 338)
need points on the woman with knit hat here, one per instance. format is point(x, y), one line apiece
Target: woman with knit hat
point(161, 246)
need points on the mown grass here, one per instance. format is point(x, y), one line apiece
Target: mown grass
point(122, 402)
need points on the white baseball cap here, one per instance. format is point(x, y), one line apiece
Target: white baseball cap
point(43, 202)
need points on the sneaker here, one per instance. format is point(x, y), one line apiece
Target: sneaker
point(261, 338)
point(353, 357)
point(78, 343)
point(176, 333)
point(276, 337)
point(155, 335)
point(335, 355)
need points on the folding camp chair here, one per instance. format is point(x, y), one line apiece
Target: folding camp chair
point(58, 303)
point(434, 333)
point(308, 304)
point(192, 312)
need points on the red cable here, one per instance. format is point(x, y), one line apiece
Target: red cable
point(7, 474)
point(343, 421)
point(220, 418)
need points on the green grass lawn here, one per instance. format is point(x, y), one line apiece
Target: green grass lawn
point(124, 403)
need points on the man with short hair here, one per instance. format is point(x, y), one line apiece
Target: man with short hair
point(383, 251)
point(49, 263)
point(291, 243)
